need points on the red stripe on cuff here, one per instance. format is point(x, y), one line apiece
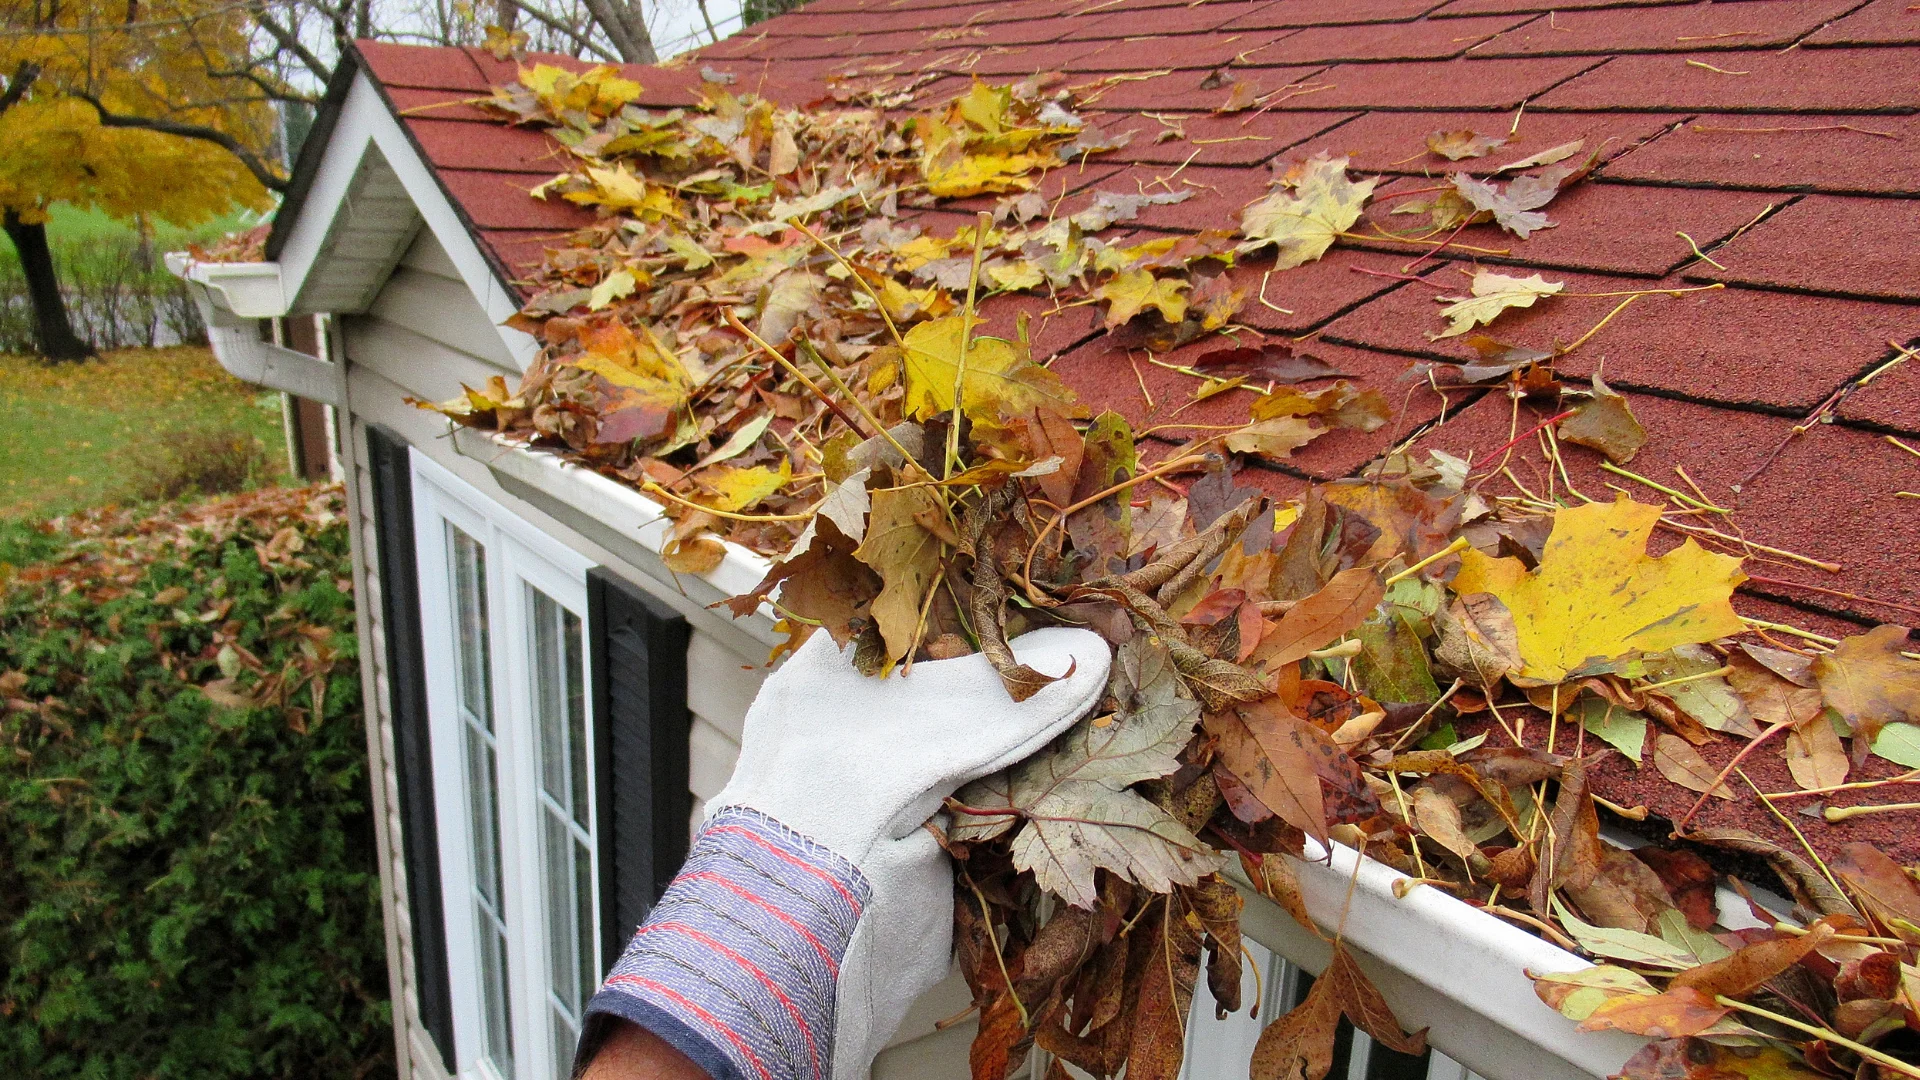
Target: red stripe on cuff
point(795, 860)
point(813, 1051)
point(796, 925)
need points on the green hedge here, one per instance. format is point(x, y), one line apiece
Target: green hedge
point(188, 883)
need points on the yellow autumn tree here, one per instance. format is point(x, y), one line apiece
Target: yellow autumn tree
point(127, 107)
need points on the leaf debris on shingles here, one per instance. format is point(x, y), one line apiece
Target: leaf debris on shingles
point(1279, 667)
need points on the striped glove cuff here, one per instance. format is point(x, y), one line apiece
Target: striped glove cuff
point(738, 964)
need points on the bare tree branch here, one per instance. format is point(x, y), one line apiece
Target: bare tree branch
point(290, 42)
point(626, 29)
point(23, 77)
point(581, 39)
point(215, 136)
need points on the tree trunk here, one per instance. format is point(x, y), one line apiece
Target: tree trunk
point(53, 334)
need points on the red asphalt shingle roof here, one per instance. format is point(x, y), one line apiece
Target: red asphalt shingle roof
point(1780, 136)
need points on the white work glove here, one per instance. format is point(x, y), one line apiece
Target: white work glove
point(813, 908)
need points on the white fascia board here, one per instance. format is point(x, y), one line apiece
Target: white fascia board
point(366, 123)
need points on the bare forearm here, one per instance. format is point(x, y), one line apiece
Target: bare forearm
point(631, 1052)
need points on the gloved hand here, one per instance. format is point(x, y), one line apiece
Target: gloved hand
point(813, 908)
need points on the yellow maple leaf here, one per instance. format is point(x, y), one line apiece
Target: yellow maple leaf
point(1492, 294)
point(737, 489)
point(1304, 222)
point(598, 91)
point(645, 386)
point(619, 189)
point(1131, 293)
point(1597, 596)
point(1001, 381)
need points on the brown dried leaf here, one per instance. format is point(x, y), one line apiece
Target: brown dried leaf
point(1051, 435)
point(907, 558)
point(1299, 1045)
point(1271, 361)
point(1626, 894)
point(1680, 1011)
point(1605, 422)
point(1814, 754)
point(990, 1055)
point(1572, 856)
point(1271, 751)
point(1740, 974)
point(1321, 619)
point(1363, 1004)
point(1682, 764)
point(1867, 681)
point(1273, 875)
point(1688, 879)
point(1460, 144)
point(1879, 883)
point(1165, 993)
point(1439, 819)
point(1216, 903)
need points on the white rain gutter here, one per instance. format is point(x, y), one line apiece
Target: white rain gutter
point(617, 518)
point(1442, 965)
point(1453, 969)
point(233, 298)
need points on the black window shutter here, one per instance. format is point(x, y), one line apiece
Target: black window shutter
point(392, 476)
point(639, 652)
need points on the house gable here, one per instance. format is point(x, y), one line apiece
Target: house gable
point(367, 194)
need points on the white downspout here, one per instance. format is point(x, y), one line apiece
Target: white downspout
point(233, 299)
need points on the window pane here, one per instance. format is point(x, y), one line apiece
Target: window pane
point(484, 823)
point(564, 1040)
point(469, 562)
point(493, 980)
point(566, 834)
point(576, 668)
point(549, 694)
point(589, 961)
point(560, 910)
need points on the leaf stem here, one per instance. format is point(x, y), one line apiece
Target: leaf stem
point(854, 273)
point(1842, 813)
point(1160, 470)
point(1026, 1022)
point(788, 366)
point(1680, 826)
point(1823, 1034)
point(1459, 544)
point(1685, 679)
point(1911, 776)
point(653, 488)
point(980, 225)
point(1663, 489)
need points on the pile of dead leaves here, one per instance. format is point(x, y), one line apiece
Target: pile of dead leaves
point(753, 336)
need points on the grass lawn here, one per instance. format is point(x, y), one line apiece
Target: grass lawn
point(78, 435)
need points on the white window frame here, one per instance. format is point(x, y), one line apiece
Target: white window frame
point(517, 555)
